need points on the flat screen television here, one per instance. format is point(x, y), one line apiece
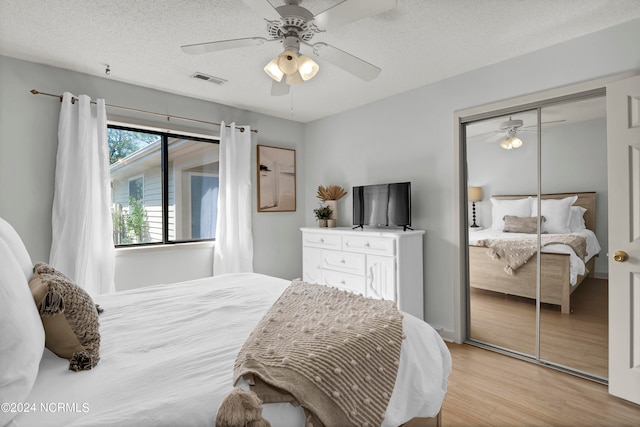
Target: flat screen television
point(382, 205)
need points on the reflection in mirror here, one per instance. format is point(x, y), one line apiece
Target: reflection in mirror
point(501, 161)
point(573, 162)
point(503, 175)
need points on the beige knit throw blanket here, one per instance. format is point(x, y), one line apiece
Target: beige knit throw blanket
point(516, 252)
point(336, 352)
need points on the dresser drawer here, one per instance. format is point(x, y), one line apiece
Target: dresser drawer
point(344, 261)
point(369, 245)
point(346, 281)
point(376, 263)
point(321, 240)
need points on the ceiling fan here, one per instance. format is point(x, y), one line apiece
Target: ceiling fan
point(507, 133)
point(293, 25)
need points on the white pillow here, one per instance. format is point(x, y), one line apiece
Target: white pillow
point(22, 333)
point(501, 208)
point(576, 219)
point(557, 213)
point(13, 240)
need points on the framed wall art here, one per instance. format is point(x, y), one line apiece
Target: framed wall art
point(276, 179)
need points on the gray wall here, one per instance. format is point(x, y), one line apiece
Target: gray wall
point(28, 143)
point(404, 137)
point(410, 137)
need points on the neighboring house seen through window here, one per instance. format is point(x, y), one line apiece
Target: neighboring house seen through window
point(164, 187)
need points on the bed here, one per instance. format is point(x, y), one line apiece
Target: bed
point(167, 356)
point(562, 270)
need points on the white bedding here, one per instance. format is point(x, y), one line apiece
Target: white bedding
point(576, 265)
point(167, 358)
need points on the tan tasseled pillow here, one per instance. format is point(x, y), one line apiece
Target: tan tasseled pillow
point(518, 224)
point(69, 317)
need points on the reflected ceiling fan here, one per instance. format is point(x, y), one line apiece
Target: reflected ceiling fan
point(293, 25)
point(507, 133)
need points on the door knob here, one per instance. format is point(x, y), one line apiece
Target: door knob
point(620, 256)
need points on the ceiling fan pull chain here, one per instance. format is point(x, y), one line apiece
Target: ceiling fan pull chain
point(291, 100)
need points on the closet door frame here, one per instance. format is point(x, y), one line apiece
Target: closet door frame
point(592, 89)
point(465, 121)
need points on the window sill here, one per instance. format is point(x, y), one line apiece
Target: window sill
point(164, 248)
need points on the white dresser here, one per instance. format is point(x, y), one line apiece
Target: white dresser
point(375, 263)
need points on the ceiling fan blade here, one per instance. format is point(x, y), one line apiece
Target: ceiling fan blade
point(477, 135)
point(497, 137)
point(279, 88)
point(354, 65)
point(351, 10)
point(200, 48)
point(544, 123)
point(263, 8)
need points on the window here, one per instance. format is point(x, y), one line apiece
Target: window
point(164, 187)
point(204, 198)
point(136, 188)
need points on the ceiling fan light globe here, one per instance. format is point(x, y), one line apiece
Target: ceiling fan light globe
point(516, 142)
point(273, 70)
point(288, 62)
point(307, 67)
point(511, 142)
point(294, 78)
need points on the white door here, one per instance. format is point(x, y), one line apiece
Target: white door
point(623, 140)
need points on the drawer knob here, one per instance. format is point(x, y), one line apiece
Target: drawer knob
point(321, 240)
point(342, 282)
point(342, 261)
point(366, 245)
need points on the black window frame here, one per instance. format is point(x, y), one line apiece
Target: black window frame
point(164, 168)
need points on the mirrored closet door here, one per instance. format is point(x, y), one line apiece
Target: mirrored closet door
point(537, 197)
point(573, 164)
point(502, 175)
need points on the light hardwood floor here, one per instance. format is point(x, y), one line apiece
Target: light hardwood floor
point(577, 340)
point(490, 389)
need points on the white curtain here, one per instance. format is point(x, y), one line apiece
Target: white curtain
point(234, 243)
point(82, 238)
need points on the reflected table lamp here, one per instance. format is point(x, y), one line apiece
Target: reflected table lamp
point(474, 195)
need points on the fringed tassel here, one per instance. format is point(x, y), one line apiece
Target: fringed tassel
point(82, 361)
point(509, 270)
point(493, 255)
point(52, 304)
point(239, 409)
point(308, 422)
point(99, 309)
point(311, 420)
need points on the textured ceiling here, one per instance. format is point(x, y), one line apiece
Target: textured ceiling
point(418, 42)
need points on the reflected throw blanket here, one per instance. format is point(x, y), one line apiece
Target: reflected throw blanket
point(516, 252)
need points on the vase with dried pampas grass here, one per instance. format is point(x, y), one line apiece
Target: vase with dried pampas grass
point(329, 196)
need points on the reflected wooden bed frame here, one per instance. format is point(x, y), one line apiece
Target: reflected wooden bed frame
point(487, 273)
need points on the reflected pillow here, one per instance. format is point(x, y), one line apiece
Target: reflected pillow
point(516, 224)
point(557, 213)
point(576, 221)
point(501, 208)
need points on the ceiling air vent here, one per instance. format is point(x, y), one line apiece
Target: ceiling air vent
point(208, 78)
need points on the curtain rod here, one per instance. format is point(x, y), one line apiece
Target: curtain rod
point(168, 116)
